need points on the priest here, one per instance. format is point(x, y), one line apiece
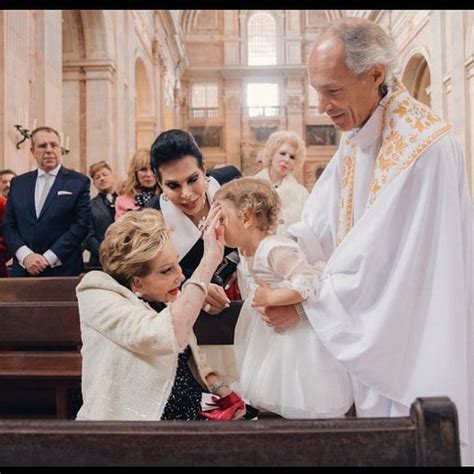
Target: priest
point(392, 217)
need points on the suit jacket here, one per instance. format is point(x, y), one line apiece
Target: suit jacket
point(101, 219)
point(190, 258)
point(63, 224)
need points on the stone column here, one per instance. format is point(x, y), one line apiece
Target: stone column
point(295, 105)
point(99, 119)
point(30, 79)
point(469, 63)
point(74, 116)
point(437, 58)
point(232, 120)
point(458, 77)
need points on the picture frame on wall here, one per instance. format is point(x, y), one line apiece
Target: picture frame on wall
point(261, 134)
point(207, 136)
point(320, 135)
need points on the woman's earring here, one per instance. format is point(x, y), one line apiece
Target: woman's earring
point(165, 197)
point(137, 294)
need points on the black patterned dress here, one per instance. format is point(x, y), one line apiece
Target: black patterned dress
point(184, 402)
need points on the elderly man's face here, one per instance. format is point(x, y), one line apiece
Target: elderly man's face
point(5, 180)
point(46, 150)
point(348, 99)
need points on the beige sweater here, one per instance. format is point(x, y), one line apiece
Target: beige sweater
point(129, 353)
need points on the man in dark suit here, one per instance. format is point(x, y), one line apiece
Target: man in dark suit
point(48, 213)
point(102, 208)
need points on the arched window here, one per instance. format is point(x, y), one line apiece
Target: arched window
point(261, 32)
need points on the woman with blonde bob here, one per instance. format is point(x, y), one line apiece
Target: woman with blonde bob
point(139, 363)
point(284, 152)
point(139, 186)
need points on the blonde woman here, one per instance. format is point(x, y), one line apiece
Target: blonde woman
point(141, 363)
point(139, 186)
point(284, 152)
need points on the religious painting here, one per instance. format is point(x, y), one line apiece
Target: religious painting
point(320, 135)
point(207, 136)
point(262, 133)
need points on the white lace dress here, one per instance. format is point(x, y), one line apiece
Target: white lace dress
point(289, 373)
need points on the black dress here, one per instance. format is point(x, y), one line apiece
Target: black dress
point(184, 402)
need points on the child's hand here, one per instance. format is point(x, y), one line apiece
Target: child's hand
point(262, 295)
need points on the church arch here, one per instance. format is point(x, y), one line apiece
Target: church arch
point(417, 78)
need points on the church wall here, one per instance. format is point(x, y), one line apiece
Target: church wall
point(441, 36)
point(85, 83)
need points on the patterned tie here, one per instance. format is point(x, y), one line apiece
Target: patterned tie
point(44, 193)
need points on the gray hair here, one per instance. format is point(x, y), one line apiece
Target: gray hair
point(365, 44)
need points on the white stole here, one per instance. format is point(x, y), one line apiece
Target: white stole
point(185, 233)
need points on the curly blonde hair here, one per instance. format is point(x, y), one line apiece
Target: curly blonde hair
point(131, 185)
point(255, 196)
point(131, 243)
point(277, 139)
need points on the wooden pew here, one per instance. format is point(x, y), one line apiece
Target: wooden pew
point(38, 289)
point(428, 437)
point(40, 360)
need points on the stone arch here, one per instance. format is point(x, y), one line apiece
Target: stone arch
point(87, 86)
point(144, 117)
point(278, 16)
point(416, 77)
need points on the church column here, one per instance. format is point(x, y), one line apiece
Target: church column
point(294, 110)
point(232, 120)
point(99, 106)
point(469, 64)
point(74, 115)
point(30, 79)
point(458, 77)
point(437, 57)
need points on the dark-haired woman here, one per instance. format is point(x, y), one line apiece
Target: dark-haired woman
point(185, 201)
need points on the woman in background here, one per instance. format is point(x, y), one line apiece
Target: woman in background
point(284, 153)
point(140, 184)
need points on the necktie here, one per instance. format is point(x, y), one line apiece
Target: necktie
point(44, 193)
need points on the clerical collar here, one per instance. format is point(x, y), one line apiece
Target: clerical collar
point(366, 135)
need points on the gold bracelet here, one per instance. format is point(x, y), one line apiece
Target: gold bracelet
point(200, 284)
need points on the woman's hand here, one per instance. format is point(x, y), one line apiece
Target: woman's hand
point(216, 299)
point(213, 237)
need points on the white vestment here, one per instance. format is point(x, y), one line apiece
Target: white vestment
point(395, 296)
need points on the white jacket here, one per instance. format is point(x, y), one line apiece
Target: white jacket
point(293, 197)
point(129, 353)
